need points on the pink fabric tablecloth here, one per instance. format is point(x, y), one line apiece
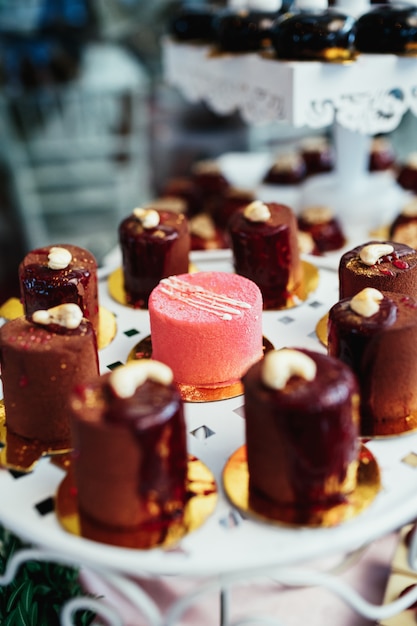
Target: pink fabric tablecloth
point(367, 572)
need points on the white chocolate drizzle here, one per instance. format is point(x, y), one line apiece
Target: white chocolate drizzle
point(203, 299)
point(257, 211)
point(68, 315)
point(280, 366)
point(367, 302)
point(59, 258)
point(125, 379)
point(149, 218)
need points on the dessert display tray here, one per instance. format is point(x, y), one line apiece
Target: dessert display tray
point(228, 542)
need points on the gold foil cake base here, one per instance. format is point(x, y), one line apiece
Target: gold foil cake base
point(321, 329)
point(20, 454)
point(192, 393)
point(200, 504)
point(107, 328)
point(307, 287)
point(236, 481)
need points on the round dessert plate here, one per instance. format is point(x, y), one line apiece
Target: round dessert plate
point(19, 454)
point(107, 329)
point(236, 477)
point(201, 502)
point(191, 393)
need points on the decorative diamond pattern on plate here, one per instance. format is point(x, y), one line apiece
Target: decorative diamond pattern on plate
point(202, 432)
point(112, 366)
point(131, 332)
point(46, 506)
point(232, 520)
point(240, 410)
point(286, 319)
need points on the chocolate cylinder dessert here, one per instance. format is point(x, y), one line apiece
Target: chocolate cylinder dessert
point(384, 265)
point(323, 226)
point(407, 173)
point(322, 35)
point(265, 249)
point(375, 333)
point(388, 29)
point(318, 155)
point(154, 245)
point(404, 227)
point(243, 30)
point(43, 357)
point(382, 156)
point(287, 169)
point(60, 274)
point(302, 425)
point(130, 462)
point(193, 23)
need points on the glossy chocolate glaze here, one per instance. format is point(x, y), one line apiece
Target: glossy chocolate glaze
point(242, 30)
point(388, 29)
point(327, 235)
point(148, 255)
point(193, 23)
point(142, 454)
point(44, 288)
point(306, 35)
point(267, 253)
point(302, 440)
point(380, 350)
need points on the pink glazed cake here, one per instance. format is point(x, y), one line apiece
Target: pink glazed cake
point(207, 327)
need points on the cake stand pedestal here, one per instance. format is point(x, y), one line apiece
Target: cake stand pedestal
point(230, 548)
point(358, 100)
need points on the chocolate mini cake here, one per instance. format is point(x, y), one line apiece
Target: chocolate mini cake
point(404, 227)
point(211, 184)
point(205, 235)
point(43, 357)
point(130, 462)
point(389, 29)
point(407, 173)
point(265, 249)
point(318, 155)
point(382, 156)
point(154, 245)
point(321, 35)
point(287, 169)
point(375, 333)
point(243, 30)
point(301, 417)
point(193, 23)
point(384, 265)
point(323, 226)
point(60, 274)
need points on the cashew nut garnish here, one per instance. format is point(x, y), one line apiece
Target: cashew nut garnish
point(59, 258)
point(366, 302)
point(125, 379)
point(148, 217)
point(202, 226)
point(412, 159)
point(371, 253)
point(280, 365)
point(257, 211)
point(68, 315)
point(410, 209)
point(317, 214)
